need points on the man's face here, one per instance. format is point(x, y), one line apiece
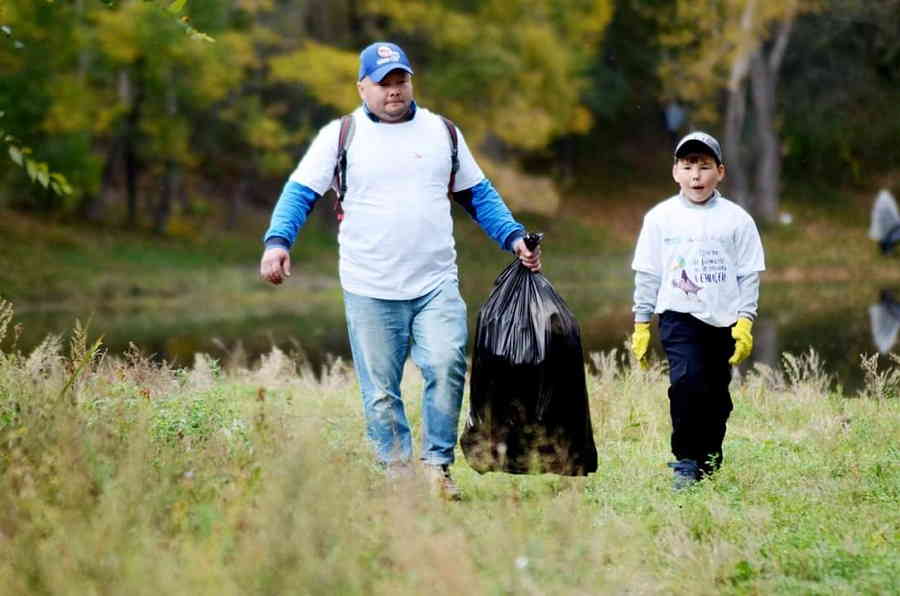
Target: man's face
point(698, 175)
point(390, 98)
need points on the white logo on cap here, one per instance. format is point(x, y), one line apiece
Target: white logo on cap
point(393, 57)
point(385, 51)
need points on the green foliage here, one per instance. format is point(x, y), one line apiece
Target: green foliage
point(841, 76)
point(112, 69)
point(503, 91)
point(706, 45)
point(38, 171)
point(106, 90)
point(198, 418)
point(326, 71)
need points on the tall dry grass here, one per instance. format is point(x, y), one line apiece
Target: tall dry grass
point(126, 475)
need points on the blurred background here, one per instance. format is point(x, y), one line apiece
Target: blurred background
point(146, 142)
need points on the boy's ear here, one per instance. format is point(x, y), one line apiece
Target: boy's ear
point(721, 172)
point(674, 171)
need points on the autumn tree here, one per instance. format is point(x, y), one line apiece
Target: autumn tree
point(735, 47)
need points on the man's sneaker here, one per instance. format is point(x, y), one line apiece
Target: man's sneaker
point(686, 474)
point(440, 483)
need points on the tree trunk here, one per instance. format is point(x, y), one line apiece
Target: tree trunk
point(768, 167)
point(95, 208)
point(168, 189)
point(130, 138)
point(169, 185)
point(237, 197)
point(736, 115)
point(761, 195)
point(131, 175)
point(764, 80)
point(84, 56)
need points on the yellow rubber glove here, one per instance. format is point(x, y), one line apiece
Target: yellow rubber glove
point(743, 341)
point(640, 341)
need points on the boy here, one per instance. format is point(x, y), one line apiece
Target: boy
point(697, 264)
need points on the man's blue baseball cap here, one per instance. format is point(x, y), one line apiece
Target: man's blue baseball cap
point(381, 58)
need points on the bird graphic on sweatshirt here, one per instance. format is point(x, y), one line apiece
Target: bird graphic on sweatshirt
point(686, 285)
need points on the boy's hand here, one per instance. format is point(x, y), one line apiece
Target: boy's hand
point(640, 341)
point(743, 340)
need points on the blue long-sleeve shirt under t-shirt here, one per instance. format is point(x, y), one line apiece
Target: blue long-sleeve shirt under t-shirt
point(482, 202)
point(289, 215)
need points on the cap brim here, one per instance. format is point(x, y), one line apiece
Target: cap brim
point(383, 70)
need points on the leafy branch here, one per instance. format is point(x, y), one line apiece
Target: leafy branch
point(38, 171)
point(175, 7)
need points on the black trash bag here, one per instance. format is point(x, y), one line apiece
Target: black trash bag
point(529, 411)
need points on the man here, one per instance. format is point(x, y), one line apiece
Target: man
point(397, 257)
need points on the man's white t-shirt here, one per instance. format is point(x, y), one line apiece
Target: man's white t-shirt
point(396, 239)
point(699, 251)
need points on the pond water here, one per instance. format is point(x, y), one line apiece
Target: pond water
point(840, 321)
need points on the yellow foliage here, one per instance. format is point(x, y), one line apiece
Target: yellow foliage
point(266, 133)
point(239, 49)
point(707, 39)
point(522, 59)
point(216, 70)
point(170, 137)
point(118, 32)
point(582, 120)
point(254, 6)
point(328, 73)
point(521, 191)
point(72, 108)
point(275, 163)
point(584, 20)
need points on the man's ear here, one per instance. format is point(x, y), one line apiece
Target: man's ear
point(359, 89)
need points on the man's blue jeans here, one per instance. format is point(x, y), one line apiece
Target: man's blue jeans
point(432, 329)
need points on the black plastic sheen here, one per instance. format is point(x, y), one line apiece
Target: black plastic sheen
point(529, 411)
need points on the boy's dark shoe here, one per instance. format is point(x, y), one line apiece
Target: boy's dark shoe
point(686, 474)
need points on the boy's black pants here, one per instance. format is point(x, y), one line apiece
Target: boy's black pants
point(699, 374)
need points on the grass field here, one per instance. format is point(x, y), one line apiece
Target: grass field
point(124, 475)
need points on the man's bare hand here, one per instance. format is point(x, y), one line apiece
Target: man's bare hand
point(276, 265)
point(531, 259)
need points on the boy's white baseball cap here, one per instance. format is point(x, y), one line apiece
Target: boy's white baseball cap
point(708, 144)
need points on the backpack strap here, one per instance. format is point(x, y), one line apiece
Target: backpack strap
point(339, 182)
point(454, 153)
point(345, 137)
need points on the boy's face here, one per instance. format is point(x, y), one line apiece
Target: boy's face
point(698, 175)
